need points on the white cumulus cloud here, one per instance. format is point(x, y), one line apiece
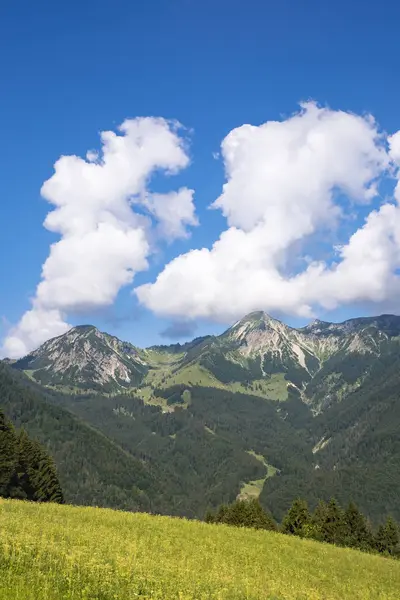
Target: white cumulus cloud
point(103, 241)
point(285, 183)
point(290, 186)
point(174, 212)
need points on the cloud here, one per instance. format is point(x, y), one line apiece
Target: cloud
point(178, 330)
point(103, 241)
point(36, 326)
point(285, 183)
point(289, 185)
point(174, 212)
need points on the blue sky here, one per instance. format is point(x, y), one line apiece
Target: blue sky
point(71, 70)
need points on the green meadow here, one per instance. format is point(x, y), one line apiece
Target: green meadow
point(55, 552)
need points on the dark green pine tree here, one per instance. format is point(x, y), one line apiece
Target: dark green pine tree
point(237, 514)
point(387, 538)
point(8, 454)
point(297, 518)
point(334, 526)
point(23, 483)
point(44, 476)
point(357, 531)
point(37, 472)
point(245, 513)
point(221, 514)
point(318, 520)
point(257, 517)
point(27, 472)
point(209, 517)
point(329, 524)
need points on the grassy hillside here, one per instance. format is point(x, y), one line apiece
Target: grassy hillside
point(57, 552)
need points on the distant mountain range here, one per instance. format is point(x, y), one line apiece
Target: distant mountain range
point(263, 409)
point(323, 362)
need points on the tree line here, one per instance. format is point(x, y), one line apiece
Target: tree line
point(329, 523)
point(27, 472)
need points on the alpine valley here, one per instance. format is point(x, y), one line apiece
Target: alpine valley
point(262, 410)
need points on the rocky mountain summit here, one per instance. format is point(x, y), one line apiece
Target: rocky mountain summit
point(85, 357)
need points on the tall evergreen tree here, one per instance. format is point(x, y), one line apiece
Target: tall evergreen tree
point(328, 523)
point(26, 465)
point(27, 472)
point(258, 517)
point(318, 520)
point(221, 513)
point(209, 517)
point(43, 475)
point(334, 526)
point(387, 538)
point(357, 531)
point(8, 454)
point(297, 518)
point(244, 513)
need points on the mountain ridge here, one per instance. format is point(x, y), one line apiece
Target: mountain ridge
point(257, 354)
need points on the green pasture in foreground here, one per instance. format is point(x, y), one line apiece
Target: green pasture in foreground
point(54, 552)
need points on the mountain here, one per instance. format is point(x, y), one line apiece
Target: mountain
point(322, 359)
point(322, 362)
point(263, 409)
point(85, 358)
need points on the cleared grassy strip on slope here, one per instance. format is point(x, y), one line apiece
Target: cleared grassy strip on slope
point(57, 552)
point(253, 489)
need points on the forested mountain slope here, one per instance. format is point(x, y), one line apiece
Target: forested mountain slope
point(262, 409)
point(119, 452)
point(356, 452)
point(202, 455)
point(27, 472)
point(92, 469)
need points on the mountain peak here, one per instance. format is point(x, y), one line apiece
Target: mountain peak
point(256, 314)
point(83, 328)
point(259, 314)
point(87, 358)
point(75, 332)
point(255, 317)
point(255, 323)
